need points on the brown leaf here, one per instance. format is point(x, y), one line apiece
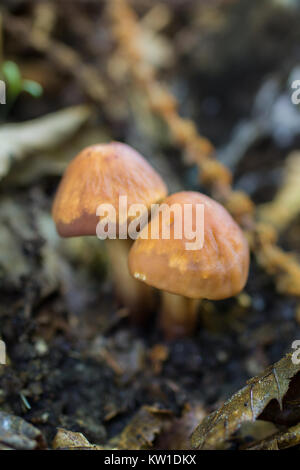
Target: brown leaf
point(217, 430)
point(141, 431)
point(281, 440)
point(66, 439)
point(69, 440)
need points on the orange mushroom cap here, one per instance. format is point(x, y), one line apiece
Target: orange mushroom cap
point(216, 271)
point(100, 174)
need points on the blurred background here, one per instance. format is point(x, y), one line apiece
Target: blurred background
point(74, 360)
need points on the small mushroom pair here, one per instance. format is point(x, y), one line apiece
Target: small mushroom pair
point(100, 175)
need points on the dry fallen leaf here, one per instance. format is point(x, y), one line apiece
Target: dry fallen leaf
point(281, 440)
point(264, 397)
point(17, 141)
point(68, 440)
point(141, 431)
point(139, 434)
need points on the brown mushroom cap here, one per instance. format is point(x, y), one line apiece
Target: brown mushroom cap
point(99, 175)
point(216, 271)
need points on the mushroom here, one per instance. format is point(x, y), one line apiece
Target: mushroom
point(101, 174)
point(217, 270)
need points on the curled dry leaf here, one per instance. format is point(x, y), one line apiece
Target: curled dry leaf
point(281, 440)
point(17, 141)
point(141, 431)
point(272, 396)
point(139, 434)
point(16, 433)
point(69, 440)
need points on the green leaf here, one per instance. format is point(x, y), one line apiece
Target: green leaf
point(33, 88)
point(13, 78)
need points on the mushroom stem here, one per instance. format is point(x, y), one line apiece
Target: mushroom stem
point(178, 315)
point(135, 295)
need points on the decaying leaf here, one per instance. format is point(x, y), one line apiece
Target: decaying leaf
point(69, 440)
point(281, 440)
point(141, 431)
point(139, 434)
point(21, 236)
point(15, 433)
point(264, 397)
point(17, 141)
point(53, 161)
